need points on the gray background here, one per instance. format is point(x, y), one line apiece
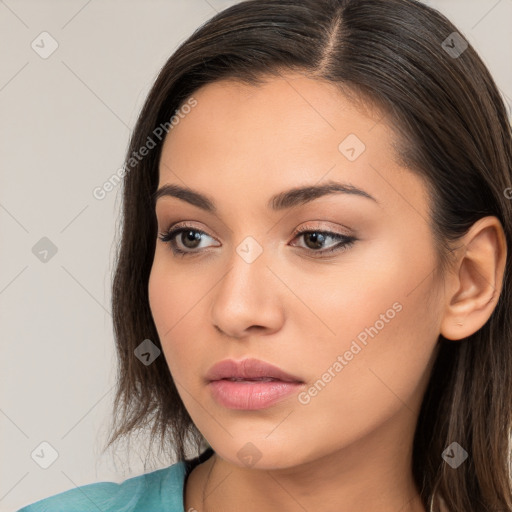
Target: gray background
point(65, 122)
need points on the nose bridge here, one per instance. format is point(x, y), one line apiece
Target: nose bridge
point(247, 278)
point(247, 294)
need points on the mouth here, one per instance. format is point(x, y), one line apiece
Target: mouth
point(248, 369)
point(255, 379)
point(250, 384)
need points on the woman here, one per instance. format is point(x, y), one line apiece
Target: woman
point(313, 281)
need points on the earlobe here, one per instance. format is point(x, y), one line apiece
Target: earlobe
point(477, 279)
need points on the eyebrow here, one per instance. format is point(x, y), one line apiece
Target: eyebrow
point(282, 201)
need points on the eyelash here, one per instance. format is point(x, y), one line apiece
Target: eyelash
point(345, 241)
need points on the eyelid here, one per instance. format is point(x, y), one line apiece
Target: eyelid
point(180, 227)
point(185, 224)
point(344, 241)
point(317, 226)
point(309, 226)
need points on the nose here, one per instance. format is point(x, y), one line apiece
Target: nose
point(247, 300)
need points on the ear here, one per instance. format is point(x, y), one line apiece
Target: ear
point(475, 282)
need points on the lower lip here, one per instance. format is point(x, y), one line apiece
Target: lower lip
point(251, 395)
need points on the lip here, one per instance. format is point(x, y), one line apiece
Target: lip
point(258, 385)
point(248, 369)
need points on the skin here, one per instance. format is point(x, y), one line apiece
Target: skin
point(350, 447)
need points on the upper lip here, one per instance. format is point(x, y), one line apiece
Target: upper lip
point(248, 369)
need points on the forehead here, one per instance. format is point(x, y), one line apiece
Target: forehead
point(292, 117)
point(292, 107)
point(287, 130)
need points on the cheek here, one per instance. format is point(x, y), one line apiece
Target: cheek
point(378, 292)
point(172, 301)
point(381, 379)
point(385, 330)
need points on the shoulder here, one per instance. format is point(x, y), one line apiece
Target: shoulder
point(159, 490)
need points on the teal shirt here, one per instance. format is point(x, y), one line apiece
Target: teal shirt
point(158, 491)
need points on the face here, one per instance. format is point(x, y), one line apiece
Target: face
point(346, 308)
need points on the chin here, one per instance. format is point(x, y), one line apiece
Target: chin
point(258, 453)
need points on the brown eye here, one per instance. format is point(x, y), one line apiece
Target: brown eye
point(315, 241)
point(187, 240)
point(184, 240)
point(190, 238)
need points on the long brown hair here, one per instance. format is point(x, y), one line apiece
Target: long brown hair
point(452, 130)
